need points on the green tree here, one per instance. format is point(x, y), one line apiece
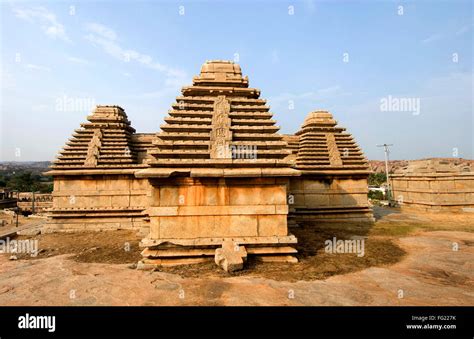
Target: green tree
point(377, 179)
point(24, 182)
point(47, 188)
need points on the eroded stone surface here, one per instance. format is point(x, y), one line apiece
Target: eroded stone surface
point(434, 185)
point(217, 169)
point(431, 274)
point(230, 257)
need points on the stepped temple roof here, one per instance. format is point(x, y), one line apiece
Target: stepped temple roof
point(218, 126)
point(105, 142)
point(326, 147)
point(219, 121)
point(216, 177)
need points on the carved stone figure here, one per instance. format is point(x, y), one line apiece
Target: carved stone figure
point(334, 154)
point(221, 135)
point(93, 150)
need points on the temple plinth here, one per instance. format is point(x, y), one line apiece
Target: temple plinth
point(434, 185)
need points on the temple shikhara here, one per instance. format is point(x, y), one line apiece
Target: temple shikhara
point(218, 182)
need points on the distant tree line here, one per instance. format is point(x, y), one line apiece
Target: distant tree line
point(26, 181)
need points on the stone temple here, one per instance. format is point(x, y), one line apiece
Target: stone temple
point(434, 185)
point(216, 183)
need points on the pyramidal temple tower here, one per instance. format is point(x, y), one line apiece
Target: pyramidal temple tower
point(104, 141)
point(219, 122)
point(218, 174)
point(334, 172)
point(325, 147)
point(94, 183)
point(217, 182)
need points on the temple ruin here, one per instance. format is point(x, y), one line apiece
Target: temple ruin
point(34, 202)
point(216, 183)
point(434, 185)
point(332, 186)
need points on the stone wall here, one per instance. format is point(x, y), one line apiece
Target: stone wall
point(98, 202)
point(329, 199)
point(42, 202)
point(452, 192)
point(186, 208)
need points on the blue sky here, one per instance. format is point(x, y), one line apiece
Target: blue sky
point(345, 57)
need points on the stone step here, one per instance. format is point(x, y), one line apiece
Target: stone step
point(211, 99)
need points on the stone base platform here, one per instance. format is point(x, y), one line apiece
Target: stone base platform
point(97, 219)
point(435, 208)
point(171, 252)
point(329, 215)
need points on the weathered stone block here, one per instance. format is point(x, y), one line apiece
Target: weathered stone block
point(274, 195)
point(120, 200)
point(231, 256)
point(169, 196)
point(314, 185)
point(138, 200)
point(155, 228)
point(233, 226)
point(416, 184)
point(272, 225)
point(179, 227)
point(316, 200)
point(208, 196)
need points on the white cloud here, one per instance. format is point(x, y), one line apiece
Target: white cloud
point(41, 108)
point(438, 36)
point(6, 79)
point(46, 19)
point(38, 67)
point(432, 38)
point(107, 39)
point(328, 90)
point(101, 30)
point(312, 95)
point(464, 29)
point(78, 60)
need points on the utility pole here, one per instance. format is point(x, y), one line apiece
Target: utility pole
point(387, 151)
point(17, 207)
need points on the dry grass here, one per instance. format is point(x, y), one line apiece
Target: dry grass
point(314, 263)
point(108, 247)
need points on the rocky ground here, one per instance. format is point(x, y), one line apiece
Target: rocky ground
point(411, 259)
point(378, 166)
